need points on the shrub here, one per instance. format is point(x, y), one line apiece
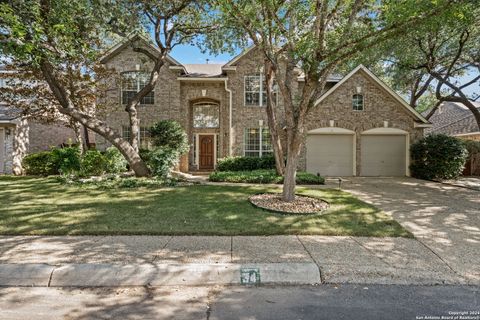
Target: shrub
point(472, 146)
point(114, 161)
point(94, 163)
point(67, 160)
point(170, 141)
point(170, 134)
point(261, 176)
point(39, 164)
point(438, 157)
point(245, 163)
point(162, 160)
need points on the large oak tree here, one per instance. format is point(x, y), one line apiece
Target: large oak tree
point(313, 38)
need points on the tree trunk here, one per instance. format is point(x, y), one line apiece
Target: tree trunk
point(87, 138)
point(78, 136)
point(134, 128)
point(20, 141)
point(272, 120)
point(293, 154)
point(67, 107)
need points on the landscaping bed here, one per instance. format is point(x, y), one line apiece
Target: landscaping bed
point(262, 176)
point(45, 206)
point(301, 205)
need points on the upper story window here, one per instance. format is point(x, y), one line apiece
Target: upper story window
point(132, 83)
point(357, 102)
point(256, 91)
point(206, 115)
point(257, 142)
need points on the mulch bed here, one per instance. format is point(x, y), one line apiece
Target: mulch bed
point(301, 204)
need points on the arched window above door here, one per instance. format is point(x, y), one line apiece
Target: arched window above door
point(206, 115)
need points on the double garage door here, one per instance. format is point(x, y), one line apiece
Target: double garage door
point(334, 154)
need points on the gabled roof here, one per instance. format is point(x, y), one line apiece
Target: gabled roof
point(203, 70)
point(235, 59)
point(8, 113)
point(453, 118)
point(110, 53)
point(392, 93)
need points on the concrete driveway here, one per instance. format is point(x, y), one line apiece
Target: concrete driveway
point(445, 218)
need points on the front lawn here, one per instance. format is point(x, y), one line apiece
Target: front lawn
point(43, 206)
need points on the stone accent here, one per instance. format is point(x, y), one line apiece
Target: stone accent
point(8, 132)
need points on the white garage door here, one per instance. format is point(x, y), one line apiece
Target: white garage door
point(383, 155)
point(330, 154)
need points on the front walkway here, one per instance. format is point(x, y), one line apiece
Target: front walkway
point(445, 218)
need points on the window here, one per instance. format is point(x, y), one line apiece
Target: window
point(256, 91)
point(144, 136)
point(206, 116)
point(357, 102)
point(132, 83)
point(257, 142)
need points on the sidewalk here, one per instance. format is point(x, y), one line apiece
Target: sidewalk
point(193, 260)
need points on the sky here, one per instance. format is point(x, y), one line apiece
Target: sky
point(188, 54)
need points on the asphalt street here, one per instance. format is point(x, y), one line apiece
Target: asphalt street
point(246, 303)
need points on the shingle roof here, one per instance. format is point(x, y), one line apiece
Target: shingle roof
point(8, 113)
point(453, 118)
point(203, 70)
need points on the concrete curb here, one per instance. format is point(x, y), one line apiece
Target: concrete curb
point(25, 275)
point(111, 275)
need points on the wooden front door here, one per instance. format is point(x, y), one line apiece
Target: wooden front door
point(207, 146)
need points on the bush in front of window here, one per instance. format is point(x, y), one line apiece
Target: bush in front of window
point(245, 163)
point(438, 157)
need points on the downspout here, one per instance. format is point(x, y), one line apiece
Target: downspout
point(229, 119)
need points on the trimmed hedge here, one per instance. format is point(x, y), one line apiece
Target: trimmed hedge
point(262, 176)
point(69, 161)
point(40, 164)
point(245, 163)
point(438, 157)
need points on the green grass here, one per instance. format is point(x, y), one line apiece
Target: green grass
point(43, 206)
point(262, 176)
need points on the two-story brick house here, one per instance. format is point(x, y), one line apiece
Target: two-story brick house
point(359, 126)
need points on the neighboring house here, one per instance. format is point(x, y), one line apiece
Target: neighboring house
point(359, 127)
point(455, 119)
point(19, 136)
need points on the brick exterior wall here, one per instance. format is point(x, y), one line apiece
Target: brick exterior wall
point(166, 95)
point(174, 100)
point(379, 106)
point(45, 136)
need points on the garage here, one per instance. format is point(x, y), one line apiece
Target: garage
point(383, 152)
point(330, 152)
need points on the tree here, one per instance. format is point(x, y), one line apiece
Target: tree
point(431, 63)
point(314, 38)
point(58, 43)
